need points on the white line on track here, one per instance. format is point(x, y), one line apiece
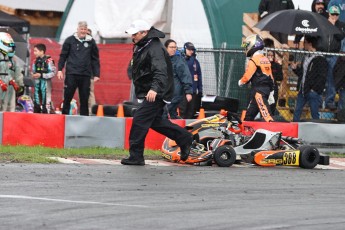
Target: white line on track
point(69, 201)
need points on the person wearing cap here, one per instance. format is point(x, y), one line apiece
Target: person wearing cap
point(152, 75)
point(189, 108)
point(81, 56)
point(333, 44)
point(341, 5)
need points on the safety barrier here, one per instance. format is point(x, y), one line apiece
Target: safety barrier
point(61, 131)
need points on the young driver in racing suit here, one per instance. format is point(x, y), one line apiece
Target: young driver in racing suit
point(43, 70)
point(259, 74)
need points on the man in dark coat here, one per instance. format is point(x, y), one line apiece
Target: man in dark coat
point(312, 75)
point(152, 75)
point(80, 54)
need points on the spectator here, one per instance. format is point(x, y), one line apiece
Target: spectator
point(317, 6)
point(92, 98)
point(341, 5)
point(182, 80)
point(11, 74)
point(259, 74)
point(189, 109)
point(333, 45)
point(339, 81)
point(320, 7)
point(311, 80)
point(267, 7)
point(80, 54)
point(43, 70)
point(277, 72)
point(153, 79)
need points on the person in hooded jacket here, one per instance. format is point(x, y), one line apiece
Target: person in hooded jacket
point(152, 75)
point(182, 79)
point(317, 6)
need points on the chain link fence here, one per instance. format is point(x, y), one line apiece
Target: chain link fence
point(222, 68)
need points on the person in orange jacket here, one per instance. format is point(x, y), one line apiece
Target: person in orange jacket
point(259, 74)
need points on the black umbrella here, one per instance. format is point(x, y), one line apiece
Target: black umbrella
point(297, 22)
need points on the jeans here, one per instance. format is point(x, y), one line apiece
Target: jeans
point(341, 102)
point(314, 101)
point(330, 88)
point(172, 108)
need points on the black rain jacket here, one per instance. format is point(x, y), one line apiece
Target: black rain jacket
point(152, 68)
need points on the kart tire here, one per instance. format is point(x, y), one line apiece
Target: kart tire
point(224, 156)
point(309, 157)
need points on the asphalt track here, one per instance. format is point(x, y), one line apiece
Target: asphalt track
point(112, 196)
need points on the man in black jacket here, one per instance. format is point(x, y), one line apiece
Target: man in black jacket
point(152, 75)
point(311, 80)
point(80, 53)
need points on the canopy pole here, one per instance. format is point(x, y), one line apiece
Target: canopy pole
point(63, 20)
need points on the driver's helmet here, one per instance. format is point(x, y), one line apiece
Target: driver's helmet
point(7, 46)
point(252, 44)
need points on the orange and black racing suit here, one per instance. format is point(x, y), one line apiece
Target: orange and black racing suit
point(259, 74)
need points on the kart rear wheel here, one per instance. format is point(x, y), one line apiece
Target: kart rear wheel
point(224, 156)
point(309, 156)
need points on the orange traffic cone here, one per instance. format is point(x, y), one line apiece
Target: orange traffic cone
point(100, 112)
point(201, 113)
point(120, 112)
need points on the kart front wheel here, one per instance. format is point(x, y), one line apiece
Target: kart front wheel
point(309, 156)
point(224, 156)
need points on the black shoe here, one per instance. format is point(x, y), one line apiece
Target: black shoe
point(128, 161)
point(185, 150)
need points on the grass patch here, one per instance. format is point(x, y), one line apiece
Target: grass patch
point(40, 154)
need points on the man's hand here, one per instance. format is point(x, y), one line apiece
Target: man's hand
point(95, 79)
point(189, 97)
point(332, 20)
point(60, 75)
point(151, 96)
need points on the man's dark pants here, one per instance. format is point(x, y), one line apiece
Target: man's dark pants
point(149, 115)
point(72, 82)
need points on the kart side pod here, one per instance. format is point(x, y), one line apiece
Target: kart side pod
point(305, 157)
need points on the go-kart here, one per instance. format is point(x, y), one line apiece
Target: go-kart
point(234, 141)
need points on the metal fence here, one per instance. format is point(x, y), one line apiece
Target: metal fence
point(222, 68)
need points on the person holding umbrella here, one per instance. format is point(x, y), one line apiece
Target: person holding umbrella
point(259, 74)
point(267, 7)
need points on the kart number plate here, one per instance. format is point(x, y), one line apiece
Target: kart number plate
point(291, 158)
